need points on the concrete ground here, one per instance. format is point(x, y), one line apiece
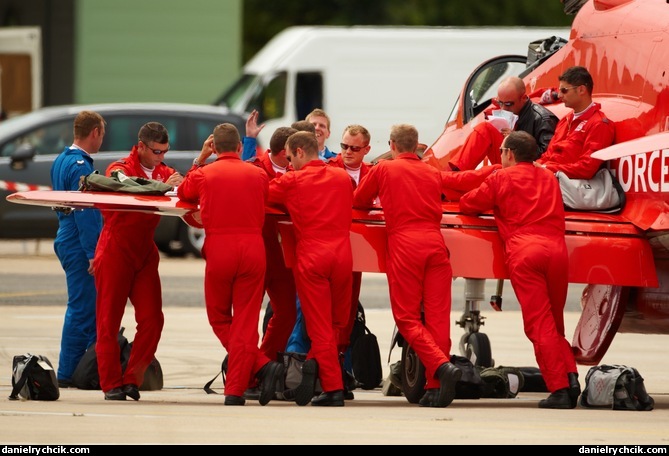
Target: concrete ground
point(190, 355)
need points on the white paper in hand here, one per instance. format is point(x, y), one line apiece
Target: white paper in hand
point(501, 119)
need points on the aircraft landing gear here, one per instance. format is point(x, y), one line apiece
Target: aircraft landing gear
point(475, 345)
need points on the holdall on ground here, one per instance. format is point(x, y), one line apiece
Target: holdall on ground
point(86, 377)
point(33, 378)
point(617, 387)
point(502, 382)
point(292, 363)
point(366, 360)
point(470, 385)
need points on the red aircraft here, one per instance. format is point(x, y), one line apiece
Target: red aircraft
point(621, 257)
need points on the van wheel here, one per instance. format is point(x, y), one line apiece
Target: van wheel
point(412, 373)
point(192, 239)
point(478, 350)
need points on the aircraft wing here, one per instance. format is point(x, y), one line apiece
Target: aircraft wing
point(636, 146)
point(116, 201)
point(603, 248)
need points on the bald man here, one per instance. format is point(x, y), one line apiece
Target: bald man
point(485, 140)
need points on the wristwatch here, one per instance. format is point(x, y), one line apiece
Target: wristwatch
point(196, 162)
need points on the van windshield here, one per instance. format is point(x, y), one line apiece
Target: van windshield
point(236, 97)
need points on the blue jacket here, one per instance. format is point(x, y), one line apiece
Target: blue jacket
point(80, 228)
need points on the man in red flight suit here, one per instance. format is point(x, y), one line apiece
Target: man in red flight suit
point(126, 265)
point(354, 147)
point(279, 280)
point(529, 212)
point(418, 269)
point(232, 196)
point(318, 198)
point(579, 133)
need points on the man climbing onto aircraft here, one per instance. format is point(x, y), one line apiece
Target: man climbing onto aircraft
point(529, 212)
point(485, 140)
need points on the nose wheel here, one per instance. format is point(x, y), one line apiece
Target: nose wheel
point(475, 345)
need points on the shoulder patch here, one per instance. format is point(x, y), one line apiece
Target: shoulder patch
point(80, 162)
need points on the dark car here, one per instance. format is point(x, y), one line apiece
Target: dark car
point(29, 144)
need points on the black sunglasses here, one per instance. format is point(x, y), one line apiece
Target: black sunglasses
point(564, 90)
point(156, 151)
point(508, 104)
point(353, 148)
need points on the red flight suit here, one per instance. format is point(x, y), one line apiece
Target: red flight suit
point(345, 339)
point(318, 198)
point(529, 212)
point(484, 141)
point(126, 267)
point(232, 196)
point(279, 280)
point(575, 140)
point(418, 269)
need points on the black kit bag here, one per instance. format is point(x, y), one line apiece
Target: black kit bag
point(366, 360)
point(470, 385)
point(33, 378)
point(86, 376)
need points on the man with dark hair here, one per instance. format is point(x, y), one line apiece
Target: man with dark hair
point(485, 139)
point(234, 252)
point(579, 133)
point(318, 198)
point(279, 280)
point(75, 243)
point(417, 265)
point(126, 265)
point(303, 125)
point(529, 212)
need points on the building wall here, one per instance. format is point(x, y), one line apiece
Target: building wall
point(156, 50)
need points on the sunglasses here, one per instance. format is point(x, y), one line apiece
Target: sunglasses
point(508, 104)
point(156, 151)
point(564, 90)
point(353, 148)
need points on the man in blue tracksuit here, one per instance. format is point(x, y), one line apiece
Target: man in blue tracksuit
point(75, 243)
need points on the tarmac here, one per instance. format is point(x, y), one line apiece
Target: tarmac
point(190, 355)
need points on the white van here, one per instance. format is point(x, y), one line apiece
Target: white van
point(373, 76)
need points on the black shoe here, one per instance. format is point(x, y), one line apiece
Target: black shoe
point(448, 375)
point(559, 399)
point(131, 391)
point(574, 388)
point(305, 390)
point(115, 394)
point(350, 383)
point(234, 400)
point(329, 399)
point(252, 394)
point(348, 395)
point(270, 376)
point(430, 398)
point(65, 383)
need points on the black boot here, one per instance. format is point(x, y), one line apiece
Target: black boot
point(269, 376)
point(329, 399)
point(559, 399)
point(574, 388)
point(305, 390)
point(430, 398)
point(448, 375)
